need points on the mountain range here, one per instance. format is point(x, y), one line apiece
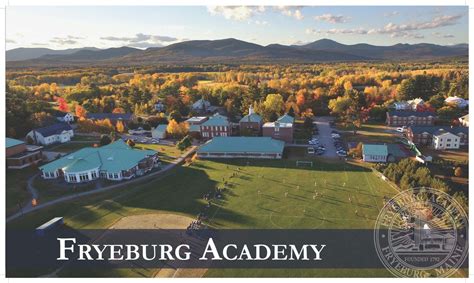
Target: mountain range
point(231, 51)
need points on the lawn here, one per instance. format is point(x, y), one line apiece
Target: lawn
point(167, 153)
point(16, 191)
point(369, 133)
point(242, 206)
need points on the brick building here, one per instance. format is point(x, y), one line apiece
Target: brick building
point(409, 118)
point(20, 155)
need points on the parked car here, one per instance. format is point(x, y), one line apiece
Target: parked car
point(311, 150)
point(401, 129)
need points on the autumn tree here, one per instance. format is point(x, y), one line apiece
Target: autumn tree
point(62, 105)
point(81, 113)
point(120, 127)
point(176, 129)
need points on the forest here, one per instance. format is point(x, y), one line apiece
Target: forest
point(354, 92)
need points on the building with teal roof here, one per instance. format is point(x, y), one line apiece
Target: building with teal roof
point(242, 147)
point(286, 119)
point(375, 152)
point(116, 161)
point(251, 124)
point(217, 126)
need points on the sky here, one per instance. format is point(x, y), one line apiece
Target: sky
point(143, 27)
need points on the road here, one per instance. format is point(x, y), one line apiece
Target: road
point(33, 191)
point(325, 136)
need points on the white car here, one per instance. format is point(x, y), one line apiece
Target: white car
point(401, 129)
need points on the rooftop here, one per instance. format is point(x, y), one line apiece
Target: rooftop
point(280, 125)
point(254, 117)
point(435, 129)
point(9, 142)
point(111, 116)
point(243, 144)
point(286, 119)
point(54, 129)
point(112, 158)
point(217, 120)
point(375, 149)
point(196, 119)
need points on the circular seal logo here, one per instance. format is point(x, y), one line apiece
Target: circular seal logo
point(422, 232)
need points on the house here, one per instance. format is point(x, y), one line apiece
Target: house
point(374, 152)
point(445, 140)
point(159, 132)
point(113, 117)
point(217, 126)
point(195, 125)
point(64, 117)
point(251, 124)
point(401, 105)
point(425, 136)
point(20, 155)
point(464, 120)
point(56, 133)
point(116, 161)
point(407, 118)
point(242, 147)
point(201, 106)
point(281, 129)
point(456, 101)
point(415, 103)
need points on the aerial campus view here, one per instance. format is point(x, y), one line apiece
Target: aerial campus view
point(339, 122)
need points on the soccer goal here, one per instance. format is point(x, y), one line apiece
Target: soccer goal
point(304, 163)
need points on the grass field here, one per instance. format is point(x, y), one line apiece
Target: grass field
point(16, 191)
point(285, 201)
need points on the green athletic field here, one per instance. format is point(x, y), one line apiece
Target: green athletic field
point(259, 194)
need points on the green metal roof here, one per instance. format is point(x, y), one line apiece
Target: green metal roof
point(112, 158)
point(243, 144)
point(375, 149)
point(12, 142)
point(286, 119)
point(252, 118)
point(217, 120)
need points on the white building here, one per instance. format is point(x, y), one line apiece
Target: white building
point(445, 140)
point(456, 101)
point(402, 105)
point(201, 105)
point(56, 133)
point(464, 120)
point(64, 117)
point(414, 103)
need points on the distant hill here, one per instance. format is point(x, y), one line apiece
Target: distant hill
point(98, 54)
point(21, 53)
point(393, 52)
point(231, 50)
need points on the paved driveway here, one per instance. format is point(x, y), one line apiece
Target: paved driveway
point(325, 136)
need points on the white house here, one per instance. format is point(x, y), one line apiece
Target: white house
point(402, 105)
point(64, 117)
point(456, 101)
point(445, 140)
point(56, 133)
point(201, 105)
point(415, 103)
point(159, 132)
point(464, 120)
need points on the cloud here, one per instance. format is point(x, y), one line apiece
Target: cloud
point(237, 13)
point(141, 40)
point(391, 14)
point(330, 18)
point(67, 40)
point(38, 44)
point(291, 11)
point(263, 23)
point(10, 41)
point(338, 31)
point(398, 30)
point(440, 35)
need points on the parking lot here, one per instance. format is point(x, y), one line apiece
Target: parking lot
point(324, 136)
